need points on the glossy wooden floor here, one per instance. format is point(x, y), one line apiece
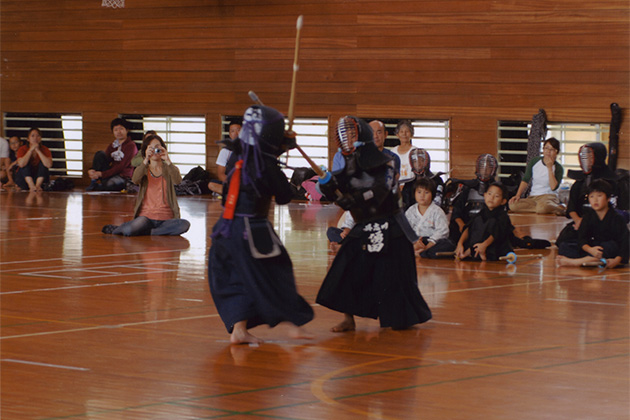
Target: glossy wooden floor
point(103, 327)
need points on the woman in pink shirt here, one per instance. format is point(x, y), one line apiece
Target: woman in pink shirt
point(156, 211)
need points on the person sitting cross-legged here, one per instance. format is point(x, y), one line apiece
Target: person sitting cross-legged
point(156, 210)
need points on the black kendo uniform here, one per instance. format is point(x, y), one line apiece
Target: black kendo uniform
point(468, 199)
point(490, 222)
point(374, 273)
point(249, 271)
point(421, 166)
point(592, 157)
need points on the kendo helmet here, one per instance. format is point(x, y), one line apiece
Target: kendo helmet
point(592, 156)
point(486, 167)
point(420, 161)
point(263, 126)
point(351, 130)
point(354, 136)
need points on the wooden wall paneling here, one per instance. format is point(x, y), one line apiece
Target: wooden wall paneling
point(473, 62)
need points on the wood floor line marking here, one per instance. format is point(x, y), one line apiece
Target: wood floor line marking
point(198, 398)
point(79, 260)
point(109, 326)
point(96, 266)
point(502, 286)
point(318, 392)
point(587, 302)
point(317, 387)
point(80, 286)
point(27, 362)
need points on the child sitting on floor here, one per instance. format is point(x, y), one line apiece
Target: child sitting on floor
point(487, 235)
point(428, 221)
point(603, 233)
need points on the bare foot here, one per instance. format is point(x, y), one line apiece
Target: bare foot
point(563, 261)
point(299, 332)
point(240, 337)
point(334, 247)
point(346, 325)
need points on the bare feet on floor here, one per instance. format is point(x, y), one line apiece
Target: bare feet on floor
point(346, 325)
point(240, 335)
point(299, 332)
point(563, 261)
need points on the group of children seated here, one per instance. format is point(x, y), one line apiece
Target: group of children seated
point(480, 227)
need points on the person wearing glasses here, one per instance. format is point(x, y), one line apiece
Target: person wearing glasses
point(545, 175)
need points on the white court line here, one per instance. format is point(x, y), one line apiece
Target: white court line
point(80, 259)
point(589, 302)
point(25, 362)
point(139, 269)
point(102, 327)
point(502, 286)
point(51, 289)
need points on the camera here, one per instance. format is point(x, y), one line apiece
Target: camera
point(157, 150)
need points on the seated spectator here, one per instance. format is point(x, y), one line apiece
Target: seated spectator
point(603, 233)
point(111, 169)
point(34, 161)
point(545, 174)
point(468, 199)
point(14, 145)
point(429, 221)
point(592, 158)
point(4, 160)
point(216, 185)
point(337, 234)
point(404, 132)
point(156, 211)
point(379, 133)
point(420, 163)
point(487, 235)
point(138, 158)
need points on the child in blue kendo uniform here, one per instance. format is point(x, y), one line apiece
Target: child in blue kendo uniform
point(249, 271)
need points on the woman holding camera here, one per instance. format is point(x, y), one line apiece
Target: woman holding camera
point(156, 210)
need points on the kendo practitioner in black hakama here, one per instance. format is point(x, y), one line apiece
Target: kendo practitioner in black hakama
point(249, 271)
point(592, 158)
point(374, 273)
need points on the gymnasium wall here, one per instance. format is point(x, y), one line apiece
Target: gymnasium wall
point(470, 61)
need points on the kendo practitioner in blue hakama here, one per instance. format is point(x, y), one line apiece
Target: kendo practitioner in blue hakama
point(249, 270)
point(374, 273)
